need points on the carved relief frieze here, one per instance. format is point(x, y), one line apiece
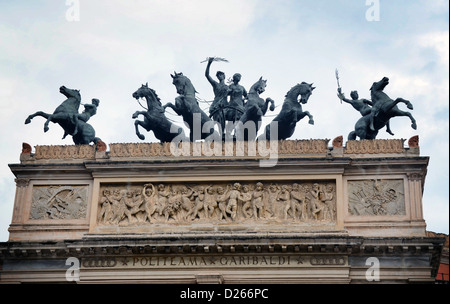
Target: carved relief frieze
point(376, 197)
point(59, 202)
point(148, 203)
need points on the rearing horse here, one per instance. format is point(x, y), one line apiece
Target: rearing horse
point(65, 114)
point(383, 110)
point(255, 108)
point(187, 106)
point(291, 112)
point(154, 118)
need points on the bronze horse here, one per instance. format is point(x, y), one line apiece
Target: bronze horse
point(384, 108)
point(255, 108)
point(187, 106)
point(67, 116)
point(291, 113)
point(154, 118)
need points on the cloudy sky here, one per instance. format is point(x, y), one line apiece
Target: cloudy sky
point(107, 49)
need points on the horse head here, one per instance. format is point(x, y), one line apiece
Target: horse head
point(183, 84)
point(70, 93)
point(303, 89)
point(379, 85)
point(149, 94)
point(141, 92)
point(259, 86)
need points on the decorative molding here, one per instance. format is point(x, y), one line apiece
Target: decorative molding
point(22, 182)
point(210, 150)
point(284, 147)
point(101, 146)
point(139, 149)
point(376, 197)
point(99, 250)
point(176, 203)
point(59, 202)
point(338, 142)
point(413, 142)
point(416, 176)
point(26, 148)
point(308, 146)
point(374, 146)
point(65, 152)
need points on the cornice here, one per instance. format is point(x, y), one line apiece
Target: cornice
point(123, 246)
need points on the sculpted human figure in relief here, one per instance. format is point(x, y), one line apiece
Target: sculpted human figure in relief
point(258, 202)
point(223, 203)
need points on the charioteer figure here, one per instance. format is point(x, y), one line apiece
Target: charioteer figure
point(221, 92)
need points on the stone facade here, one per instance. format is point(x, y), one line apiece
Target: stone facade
point(316, 216)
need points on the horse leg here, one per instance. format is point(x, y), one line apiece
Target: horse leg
point(61, 117)
point(86, 135)
point(138, 123)
point(406, 102)
point(173, 107)
point(399, 112)
point(39, 113)
point(361, 129)
point(137, 113)
point(191, 135)
point(388, 128)
point(299, 116)
point(311, 120)
point(362, 134)
point(52, 118)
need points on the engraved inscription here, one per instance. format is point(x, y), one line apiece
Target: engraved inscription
point(376, 197)
point(59, 202)
point(194, 261)
point(148, 203)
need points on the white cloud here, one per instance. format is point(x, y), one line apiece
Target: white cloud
point(439, 41)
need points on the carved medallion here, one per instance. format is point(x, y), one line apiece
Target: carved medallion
point(59, 202)
point(376, 197)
